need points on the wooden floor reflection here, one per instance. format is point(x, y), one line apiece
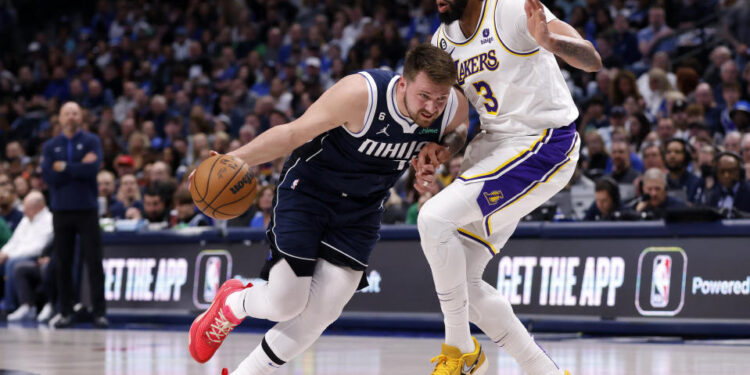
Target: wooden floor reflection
point(144, 352)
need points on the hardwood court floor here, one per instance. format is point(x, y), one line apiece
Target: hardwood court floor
point(42, 351)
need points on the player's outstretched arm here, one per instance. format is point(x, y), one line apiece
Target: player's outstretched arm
point(344, 104)
point(561, 39)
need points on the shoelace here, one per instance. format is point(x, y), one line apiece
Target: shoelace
point(220, 328)
point(444, 364)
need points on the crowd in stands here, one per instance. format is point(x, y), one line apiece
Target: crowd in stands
point(664, 124)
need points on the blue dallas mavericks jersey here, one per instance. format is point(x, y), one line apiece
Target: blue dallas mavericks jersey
point(368, 163)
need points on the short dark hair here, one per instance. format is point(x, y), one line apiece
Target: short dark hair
point(610, 186)
point(436, 63)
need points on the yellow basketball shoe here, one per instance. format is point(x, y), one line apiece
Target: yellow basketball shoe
point(452, 362)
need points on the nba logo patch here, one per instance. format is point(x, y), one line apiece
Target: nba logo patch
point(443, 44)
point(493, 197)
point(660, 280)
point(295, 183)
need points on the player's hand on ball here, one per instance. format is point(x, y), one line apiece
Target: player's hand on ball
point(190, 178)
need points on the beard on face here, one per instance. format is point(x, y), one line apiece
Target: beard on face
point(456, 10)
point(416, 117)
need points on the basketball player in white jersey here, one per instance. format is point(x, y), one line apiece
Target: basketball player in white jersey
point(526, 152)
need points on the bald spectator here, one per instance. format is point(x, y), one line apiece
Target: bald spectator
point(718, 57)
point(731, 192)
point(33, 234)
point(654, 202)
point(732, 142)
point(711, 111)
point(728, 73)
point(109, 206)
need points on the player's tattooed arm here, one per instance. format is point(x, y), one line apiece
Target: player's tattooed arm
point(456, 139)
point(579, 53)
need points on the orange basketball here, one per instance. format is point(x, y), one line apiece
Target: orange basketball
point(223, 187)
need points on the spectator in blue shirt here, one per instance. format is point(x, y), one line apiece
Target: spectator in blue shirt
point(657, 36)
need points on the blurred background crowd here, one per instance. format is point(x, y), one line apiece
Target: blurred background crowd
point(665, 123)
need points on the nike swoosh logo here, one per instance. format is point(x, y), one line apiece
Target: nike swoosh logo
point(469, 370)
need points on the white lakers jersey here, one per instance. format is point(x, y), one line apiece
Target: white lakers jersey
point(514, 84)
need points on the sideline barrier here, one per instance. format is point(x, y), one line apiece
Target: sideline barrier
point(636, 277)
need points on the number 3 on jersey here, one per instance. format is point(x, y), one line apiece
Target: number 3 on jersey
point(485, 91)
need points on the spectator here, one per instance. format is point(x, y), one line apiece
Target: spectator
point(124, 165)
point(8, 203)
point(109, 206)
point(740, 116)
point(263, 203)
point(654, 202)
point(711, 111)
point(652, 156)
point(451, 169)
point(718, 57)
point(623, 86)
point(680, 182)
point(597, 154)
point(22, 186)
point(732, 192)
point(34, 233)
point(155, 208)
point(26, 275)
point(730, 93)
point(657, 36)
point(187, 214)
point(607, 204)
point(622, 170)
point(625, 41)
point(666, 130)
point(71, 174)
point(732, 142)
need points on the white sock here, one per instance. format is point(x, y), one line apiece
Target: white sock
point(236, 302)
point(257, 363)
point(493, 314)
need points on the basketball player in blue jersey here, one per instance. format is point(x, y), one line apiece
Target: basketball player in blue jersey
point(527, 150)
point(348, 150)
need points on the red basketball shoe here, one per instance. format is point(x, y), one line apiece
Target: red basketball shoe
point(210, 329)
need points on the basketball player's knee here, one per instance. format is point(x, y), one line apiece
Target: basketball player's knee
point(431, 223)
point(325, 312)
point(285, 306)
point(486, 301)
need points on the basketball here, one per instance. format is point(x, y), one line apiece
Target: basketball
point(223, 187)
